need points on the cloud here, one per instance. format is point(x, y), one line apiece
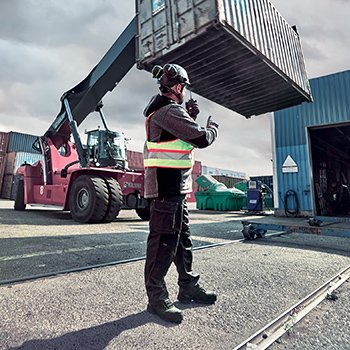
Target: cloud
point(323, 27)
point(47, 47)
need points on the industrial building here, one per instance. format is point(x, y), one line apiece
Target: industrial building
point(311, 145)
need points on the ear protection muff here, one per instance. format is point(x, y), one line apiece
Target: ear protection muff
point(171, 71)
point(170, 74)
point(157, 72)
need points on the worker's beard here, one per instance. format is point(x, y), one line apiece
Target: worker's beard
point(181, 98)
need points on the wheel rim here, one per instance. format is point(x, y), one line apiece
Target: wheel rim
point(83, 199)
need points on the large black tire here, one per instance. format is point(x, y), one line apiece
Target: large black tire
point(115, 199)
point(89, 199)
point(19, 199)
point(144, 213)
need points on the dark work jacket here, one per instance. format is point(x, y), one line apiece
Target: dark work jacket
point(171, 121)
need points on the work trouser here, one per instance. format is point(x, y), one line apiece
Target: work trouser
point(169, 240)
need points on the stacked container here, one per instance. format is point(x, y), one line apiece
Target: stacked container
point(196, 172)
point(3, 148)
point(18, 151)
point(135, 160)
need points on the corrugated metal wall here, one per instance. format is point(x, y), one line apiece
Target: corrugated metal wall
point(4, 137)
point(197, 170)
point(207, 170)
point(2, 166)
point(331, 105)
point(135, 160)
point(262, 25)
point(240, 54)
point(3, 147)
point(15, 149)
point(19, 142)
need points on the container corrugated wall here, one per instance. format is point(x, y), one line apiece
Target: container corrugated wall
point(19, 142)
point(3, 142)
point(10, 160)
point(6, 187)
point(26, 158)
point(259, 22)
point(2, 168)
point(197, 169)
point(9, 164)
point(241, 54)
point(331, 105)
point(3, 148)
point(206, 170)
point(135, 160)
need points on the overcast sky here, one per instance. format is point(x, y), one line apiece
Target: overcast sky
point(48, 46)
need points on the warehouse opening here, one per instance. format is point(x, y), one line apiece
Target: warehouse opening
point(330, 154)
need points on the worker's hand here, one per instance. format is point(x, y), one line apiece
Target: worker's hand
point(212, 124)
point(192, 108)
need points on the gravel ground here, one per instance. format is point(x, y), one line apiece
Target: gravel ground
point(255, 282)
point(326, 327)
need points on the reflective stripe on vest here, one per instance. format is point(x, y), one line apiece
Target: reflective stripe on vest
point(176, 154)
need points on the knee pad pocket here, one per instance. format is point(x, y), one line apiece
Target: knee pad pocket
point(164, 217)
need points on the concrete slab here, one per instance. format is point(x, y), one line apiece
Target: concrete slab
point(300, 225)
point(105, 308)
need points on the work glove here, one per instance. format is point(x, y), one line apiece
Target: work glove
point(212, 124)
point(192, 108)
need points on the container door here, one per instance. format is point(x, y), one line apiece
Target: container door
point(190, 15)
point(154, 21)
point(330, 154)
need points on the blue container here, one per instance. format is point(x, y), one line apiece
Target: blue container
point(19, 142)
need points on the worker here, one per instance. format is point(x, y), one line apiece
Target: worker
point(172, 134)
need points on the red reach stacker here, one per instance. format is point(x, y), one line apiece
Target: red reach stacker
point(92, 181)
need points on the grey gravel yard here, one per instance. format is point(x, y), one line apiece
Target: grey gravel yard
point(255, 281)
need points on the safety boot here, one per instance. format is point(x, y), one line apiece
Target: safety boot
point(167, 311)
point(197, 294)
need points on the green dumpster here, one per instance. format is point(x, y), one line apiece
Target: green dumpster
point(216, 196)
point(242, 186)
point(204, 201)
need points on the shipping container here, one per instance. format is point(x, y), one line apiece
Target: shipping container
point(7, 186)
point(241, 54)
point(10, 160)
point(135, 160)
point(264, 179)
point(196, 172)
point(311, 151)
point(26, 158)
point(19, 142)
point(2, 167)
point(13, 160)
point(197, 167)
point(206, 170)
point(4, 136)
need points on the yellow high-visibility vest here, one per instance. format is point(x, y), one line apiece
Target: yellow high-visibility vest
point(175, 154)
